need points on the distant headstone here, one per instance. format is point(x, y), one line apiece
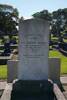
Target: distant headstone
point(33, 49)
point(7, 49)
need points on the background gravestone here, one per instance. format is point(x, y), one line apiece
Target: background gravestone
point(33, 49)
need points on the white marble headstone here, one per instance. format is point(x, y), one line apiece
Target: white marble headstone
point(33, 49)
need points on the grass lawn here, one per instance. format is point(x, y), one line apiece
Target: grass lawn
point(65, 40)
point(3, 71)
point(55, 53)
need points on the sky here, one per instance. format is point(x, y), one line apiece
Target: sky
point(28, 7)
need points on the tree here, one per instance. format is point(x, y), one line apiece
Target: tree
point(9, 17)
point(43, 15)
point(59, 21)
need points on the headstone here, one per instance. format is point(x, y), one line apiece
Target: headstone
point(12, 70)
point(7, 49)
point(33, 74)
point(54, 69)
point(33, 49)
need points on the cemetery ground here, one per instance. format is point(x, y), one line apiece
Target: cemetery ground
point(52, 53)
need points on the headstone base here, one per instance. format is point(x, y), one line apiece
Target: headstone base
point(32, 90)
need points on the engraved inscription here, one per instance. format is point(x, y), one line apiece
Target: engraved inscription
point(34, 44)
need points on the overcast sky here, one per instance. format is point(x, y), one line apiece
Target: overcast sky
point(27, 7)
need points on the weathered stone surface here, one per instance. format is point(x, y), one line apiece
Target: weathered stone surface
point(64, 79)
point(59, 95)
point(54, 69)
point(3, 85)
point(7, 92)
point(12, 70)
point(33, 49)
point(65, 94)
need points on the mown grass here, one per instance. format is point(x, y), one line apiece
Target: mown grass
point(65, 40)
point(3, 71)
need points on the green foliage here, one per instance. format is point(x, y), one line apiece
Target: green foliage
point(58, 21)
point(8, 20)
point(5, 7)
point(43, 15)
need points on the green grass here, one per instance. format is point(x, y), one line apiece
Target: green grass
point(55, 53)
point(3, 71)
point(65, 40)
